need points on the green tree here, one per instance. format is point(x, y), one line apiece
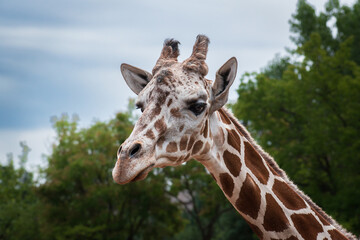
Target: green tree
point(306, 114)
point(231, 226)
point(209, 214)
point(81, 201)
point(18, 202)
point(202, 200)
point(345, 22)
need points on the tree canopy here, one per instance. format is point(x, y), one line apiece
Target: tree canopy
point(80, 199)
point(303, 108)
point(306, 113)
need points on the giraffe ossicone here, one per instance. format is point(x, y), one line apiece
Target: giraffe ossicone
point(183, 117)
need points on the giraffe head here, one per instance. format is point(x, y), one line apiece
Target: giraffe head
point(176, 101)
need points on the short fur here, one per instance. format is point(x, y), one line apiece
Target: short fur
point(282, 174)
point(196, 62)
point(160, 148)
point(168, 55)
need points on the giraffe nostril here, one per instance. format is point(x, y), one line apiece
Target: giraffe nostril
point(135, 149)
point(119, 150)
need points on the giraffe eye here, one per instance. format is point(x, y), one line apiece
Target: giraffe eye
point(197, 108)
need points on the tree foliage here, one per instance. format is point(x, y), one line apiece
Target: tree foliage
point(77, 198)
point(80, 199)
point(204, 204)
point(18, 202)
point(306, 113)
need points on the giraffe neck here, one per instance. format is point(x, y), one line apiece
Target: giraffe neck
point(259, 190)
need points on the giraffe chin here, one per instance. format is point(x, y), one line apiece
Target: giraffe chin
point(121, 179)
point(143, 174)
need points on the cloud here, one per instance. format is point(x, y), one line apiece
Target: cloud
point(64, 56)
point(6, 85)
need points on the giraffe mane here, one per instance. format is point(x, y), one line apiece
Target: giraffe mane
point(273, 164)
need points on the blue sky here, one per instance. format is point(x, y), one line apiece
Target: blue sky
point(64, 56)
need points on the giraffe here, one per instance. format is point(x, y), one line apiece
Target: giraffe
point(183, 117)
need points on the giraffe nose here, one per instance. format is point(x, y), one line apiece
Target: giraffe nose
point(119, 151)
point(134, 150)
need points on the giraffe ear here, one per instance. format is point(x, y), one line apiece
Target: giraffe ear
point(225, 77)
point(135, 78)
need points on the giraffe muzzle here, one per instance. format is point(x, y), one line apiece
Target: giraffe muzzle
point(133, 163)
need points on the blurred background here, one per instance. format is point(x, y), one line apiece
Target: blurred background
point(65, 109)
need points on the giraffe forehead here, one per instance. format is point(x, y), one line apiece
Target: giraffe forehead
point(175, 83)
point(180, 80)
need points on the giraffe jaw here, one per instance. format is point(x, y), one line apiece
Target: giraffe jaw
point(143, 174)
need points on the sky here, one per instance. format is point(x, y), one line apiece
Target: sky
point(63, 56)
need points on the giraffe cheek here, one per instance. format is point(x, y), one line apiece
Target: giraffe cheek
point(160, 126)
point(160, 142)
point(172, 147)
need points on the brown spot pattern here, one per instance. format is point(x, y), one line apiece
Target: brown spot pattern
point(172, 147)
point(172, 158)
point(322, 219)
point(335, 234)
point(288, 196)
point(175, 112)
point(162, 95)
point(169, 102)
point(197, 146)
point(179, 159)
point(293, 238)
point(181, 128)
point(224, 117)
point(274, 219)
point(232, 162)
point(164, 74)
point(191, 142)
point(227, 184)
point(160, 142)
point(183, 142)
point(205, 132)
point(249, 198)
point(140, 125)
point(160, 125)
point(155, 111)
point(273, 171)
point(150, 134)
point(255, 163)
point(289, 238)
point(234, 139)
point(307, 225)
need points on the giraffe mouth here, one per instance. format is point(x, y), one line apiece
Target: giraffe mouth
point(143, 174)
